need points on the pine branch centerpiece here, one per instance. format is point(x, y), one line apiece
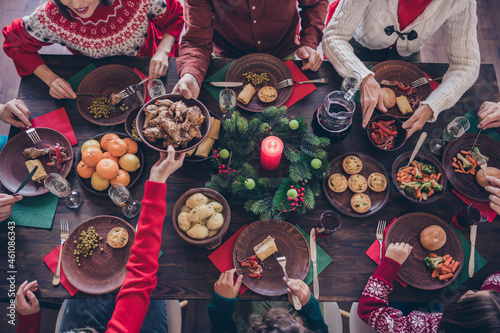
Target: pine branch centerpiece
point(269, 197)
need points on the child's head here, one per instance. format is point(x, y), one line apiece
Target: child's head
point(277, 320)
point(473, 312)
point(82, 8)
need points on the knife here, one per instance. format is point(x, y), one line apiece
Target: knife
point(313, 259)
point(227, 84)
point(477, 137)
point(386, 82)
point(26, 180)
point(473, 230)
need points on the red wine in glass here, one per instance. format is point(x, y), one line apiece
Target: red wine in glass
point(469, 216)
point(329, 222)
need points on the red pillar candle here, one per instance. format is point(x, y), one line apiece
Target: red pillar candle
point(270, 155)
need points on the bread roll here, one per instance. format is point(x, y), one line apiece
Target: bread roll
point(204, 148)
point(389, 97)
point(433, 237)
point(213, 133)
point(490, 171)
point(245, 96)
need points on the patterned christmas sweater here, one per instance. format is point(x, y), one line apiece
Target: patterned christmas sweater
point(127, 27)
point(373, 306)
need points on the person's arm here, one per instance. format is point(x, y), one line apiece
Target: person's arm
point(29, 311)
point(492, 282)
point(312, 313)
point(489, 115)
point(494, 189)
point(15, 113)
point(6, 204)
point(221, 307)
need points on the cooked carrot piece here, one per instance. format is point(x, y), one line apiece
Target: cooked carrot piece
point(446, 256)
point(432, 255)
point(434, 273)
point(455, 266)
point(445, 276)
point(447, 261)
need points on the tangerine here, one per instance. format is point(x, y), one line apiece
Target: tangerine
point(91, 156)
point(106, 139)
point(107, 168)
point(132, 146)
point(122, 178)
point(117, 147)
point(84, 170)
point(108, 155)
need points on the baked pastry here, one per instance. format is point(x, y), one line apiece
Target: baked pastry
point(361, 203)
point(337, 183)
point(265, 248)
point(389, 97)
point(267, 94)
point(245, 96)
point(377, 182)
point(433, 237)
point(403, 105)
point(357, 183)
point(205, 148)
point(117, 238)
point(213, 133)
point(40, 173)
point(352, 164)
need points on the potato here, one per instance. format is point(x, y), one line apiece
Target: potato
point(200, 213)
point(212, 233)
point(389, 97)
point(185, 209)
point(183, 222)
point(198, 231)
point(196, 200)
point(217, 206)
point(215, 222)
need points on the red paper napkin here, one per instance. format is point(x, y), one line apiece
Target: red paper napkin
point(222, 258)
point(59, 121)
point(433, 84)
point(299, 90)
point(374, 252)
point(146, 98)
point(51, 261)
point(491, 213)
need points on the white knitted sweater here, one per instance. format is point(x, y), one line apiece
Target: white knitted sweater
point(366, 20)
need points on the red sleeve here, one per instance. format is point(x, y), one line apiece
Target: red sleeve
point(29, 323)
point(22, 48)
point(132, 301)
point(312, 15)
point(172, 21)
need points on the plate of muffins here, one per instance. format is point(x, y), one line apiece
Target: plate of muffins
point(357, 185)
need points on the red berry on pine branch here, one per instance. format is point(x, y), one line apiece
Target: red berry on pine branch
point(215, 151)
point(301, 194)
point(291, 186)
point(302, 189)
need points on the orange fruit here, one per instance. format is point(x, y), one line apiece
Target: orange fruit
point(122, 178)
point(132, 146)
point(107, 138)
point(91, 156)
point(84, 170)
point(117, 147)
point(107, 168)
point(108, 155)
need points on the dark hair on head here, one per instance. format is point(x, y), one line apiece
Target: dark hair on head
point(65, 11)
point(277, 320)
point(471, 314)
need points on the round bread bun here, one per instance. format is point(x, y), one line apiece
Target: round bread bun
point(337, 182)
point(490, 171)
point(377, 182)
point(267, 94)
point(117, 238)
point(433, 237)
point(352, 164)
point(389, 97)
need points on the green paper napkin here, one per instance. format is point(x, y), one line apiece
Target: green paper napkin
point(219, 76)
point(75, 81)
point(474, 120)
point(36, 212)
point(479, 261)
point(322, 258)
point(160, 254)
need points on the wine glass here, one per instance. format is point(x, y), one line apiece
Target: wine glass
point(121, 197)
point(351, 83)
point(156, 88)
point(227, 102)
point(329, 222)
point(59, 186)
point(452, 132)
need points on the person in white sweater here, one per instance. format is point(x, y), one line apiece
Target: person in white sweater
point(370, 23)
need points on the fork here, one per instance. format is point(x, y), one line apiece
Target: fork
point(130, 90)
point(64, 236)
point(282, 261)
point(380, 235)
point(480, 159)
point(290, 82)
point(422, 81)
point(33, 134)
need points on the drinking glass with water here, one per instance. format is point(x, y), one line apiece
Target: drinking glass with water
point(156, 88)
point(452, 132)
point(121, 196)
point(59, 186)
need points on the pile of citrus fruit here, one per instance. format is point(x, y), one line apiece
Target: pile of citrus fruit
point(108, 162)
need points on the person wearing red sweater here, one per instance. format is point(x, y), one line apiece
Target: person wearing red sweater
point(97, 29)
point(132, 301)
point(475, 311)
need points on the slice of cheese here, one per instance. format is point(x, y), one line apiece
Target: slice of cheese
point(40, 174)
point(265, 248)
point(403, 105)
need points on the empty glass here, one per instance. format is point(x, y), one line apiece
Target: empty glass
point(156, 88)
point(227, 102)
point(121, 196)
point(452, 132)
point(329, 222)
point(59, 186)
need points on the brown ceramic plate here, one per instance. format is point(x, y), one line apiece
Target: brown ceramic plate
point(107, 80)
point(194, 158)
point(13, 169)
point(260, 63)
point(466, 183)
point(130, 119)
point(407, 229)
point(399, 140)
point(289, 241)
point(134, 176)
point(189, 102)
point(342, 201)
point(404, 72)
point(104, 271)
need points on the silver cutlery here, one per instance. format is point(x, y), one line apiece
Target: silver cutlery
point(422, 81)
point(282, 261)
point(25, 181)
point(386, 82)
point(227, 84)
point(90, 94)
point(64, 236)
point(380, 235)
point(477, 137)
point(33, 134)
point(473, 231)
point(130, 90)
point(417, 147)
point(312, 238)
point(290, 82)
point(480, 159)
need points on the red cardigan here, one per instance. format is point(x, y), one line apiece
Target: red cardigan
point(132, 302)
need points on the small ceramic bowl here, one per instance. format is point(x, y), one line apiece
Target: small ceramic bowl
point(128, 123)
point(399, 140)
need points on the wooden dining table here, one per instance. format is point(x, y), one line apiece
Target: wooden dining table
point(185, 271)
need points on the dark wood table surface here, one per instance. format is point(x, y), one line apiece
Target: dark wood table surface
point(186, 272)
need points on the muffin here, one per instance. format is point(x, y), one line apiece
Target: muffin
point(337, 183)
point(361, 203)
point(117, 238)
point(352, 164)
point(357, 183)
point(377, 182)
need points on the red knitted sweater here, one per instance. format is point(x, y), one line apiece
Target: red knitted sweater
point(373, 306)
point(127, 27)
